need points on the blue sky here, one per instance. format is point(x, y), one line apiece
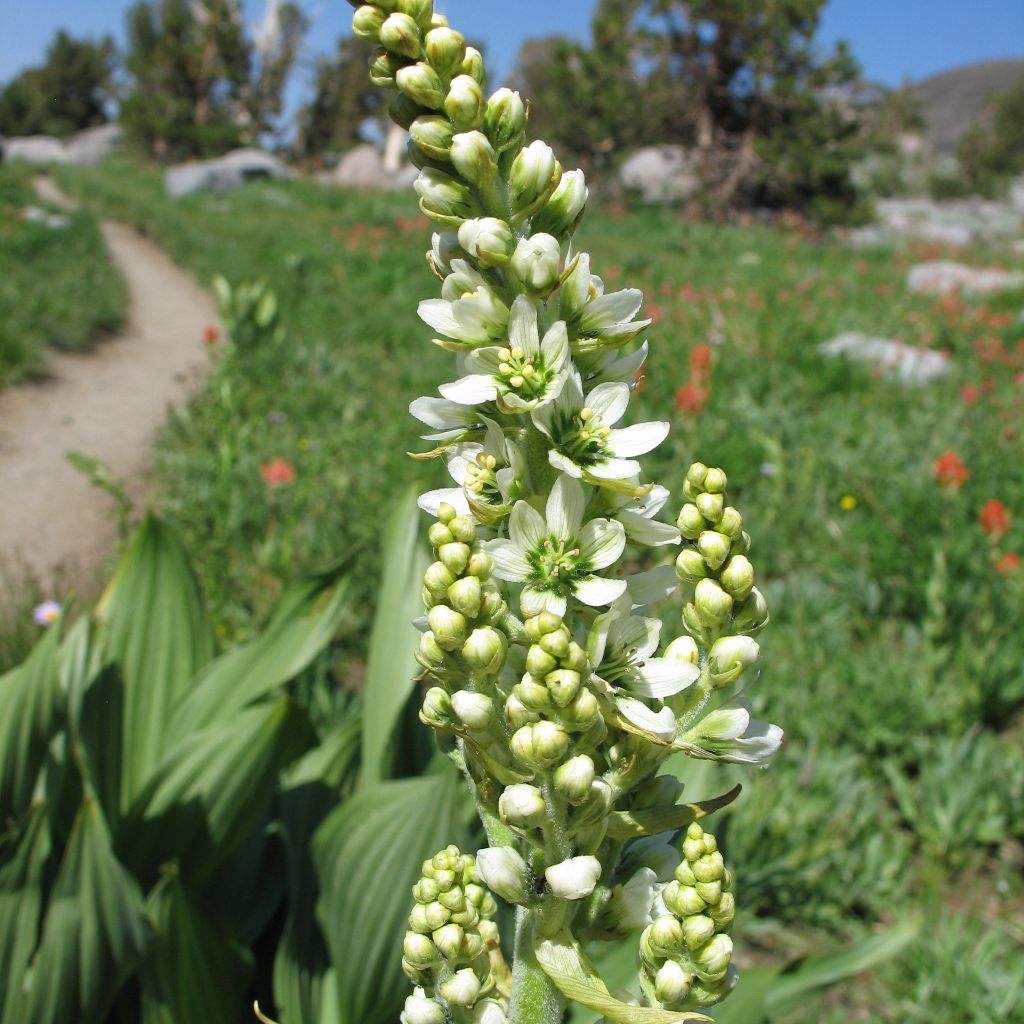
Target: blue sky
point(893, 39)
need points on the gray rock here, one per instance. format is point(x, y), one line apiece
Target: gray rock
point(904, 362)
point(364, 167)
point(224, 173)
point(941, 277)
point(92, 146)
point(37, 215)
point(661, 174)
point(36, 149)
point(1016, 194)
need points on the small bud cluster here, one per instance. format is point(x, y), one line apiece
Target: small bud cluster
point(685, 954)
point(726, 609)
point(446, 951)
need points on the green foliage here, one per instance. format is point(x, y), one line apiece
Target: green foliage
point(249, 313)
point(991, 154)
point(71, 90)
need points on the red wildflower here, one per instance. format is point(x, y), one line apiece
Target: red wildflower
point(654, 311)
point(277, 472)
point(691, 399)
point(994, 518)
point(969, 394)
point(211, 334)
point(950, 472)
point(1009, 563)
point(700, 362)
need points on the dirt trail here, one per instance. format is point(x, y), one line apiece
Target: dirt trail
point(107, 403)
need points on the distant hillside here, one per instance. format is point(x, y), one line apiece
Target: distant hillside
point(952, 100)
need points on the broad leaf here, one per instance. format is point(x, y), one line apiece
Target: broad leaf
point(368, 854)
point(94, 934)
point(209, 792)
point(651, 821)
point(32, 711)
point(746, 1002)
point(565, 963)
point(196, 971)
point(304, 623)
point(391, 668)
point(153, 626)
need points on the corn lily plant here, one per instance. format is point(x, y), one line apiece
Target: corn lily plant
point(551, 686)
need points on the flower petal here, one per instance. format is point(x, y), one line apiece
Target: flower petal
point(526, 527)
point(653, 585)
point(522, 326)
point(648, 532)
point(564, 464)
point(564, 512)
point(442, 414)
point(638, 439)
point(661, 723)
point(483, 360)
point(555, 346)
point(620, 368)
point(609, 310)
point(437, 313)
point(601, 542)
point(660, 677)
point(509, 562)
point(431, 501)
point(614, 469)
point(609, 401)
point(472, 390)
point(533, 602)
point(598, 591)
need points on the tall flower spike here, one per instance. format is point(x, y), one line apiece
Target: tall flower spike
point(547, 682)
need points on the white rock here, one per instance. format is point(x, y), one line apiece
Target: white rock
point(906, 363)
point(940, 277)
point(365, 167)
point(36, 149)
point(661, 174)
point(231, 171)
point(91, 146)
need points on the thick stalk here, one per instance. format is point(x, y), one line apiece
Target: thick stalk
point(535, 1000)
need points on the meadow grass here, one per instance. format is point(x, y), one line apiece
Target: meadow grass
point(57, 286)
point(896, 656)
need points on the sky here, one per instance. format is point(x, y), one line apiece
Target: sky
point(893, 39)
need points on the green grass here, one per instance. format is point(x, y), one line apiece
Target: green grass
point(57, 286)
point(896, 655)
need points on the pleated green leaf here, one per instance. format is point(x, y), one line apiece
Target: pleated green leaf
point(153, 626)
point(368, 854)
point(390, 667)
point(21, 899)
point(305, 985)
point(94, 934)
point(32, 711)
point(205, 797)
point(196, 972)
point(304, 623)
point(652, 821)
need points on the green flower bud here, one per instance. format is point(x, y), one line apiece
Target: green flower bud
point(713, 604)
point(475, 893)
point(429, 655)
point(534, 177)
point(534, 695)
point(446, 513)
point(384, 69)
point(485, 649)
point(433, 134)
point(400, 34)
point(537, 263)
point(538, 662)
point(473, 65)
point(474, 158)
point(738, 577)
point(448, 940)
point(464, 103)
point(439, 535)
point(425, 890)
point(731, 523)
point(563, 685)
point(522, 805)
point(671, 983)
point(574, 778)
point(697, 929)
point(684, 875)
point(442, 197)
point(437, 708)
point(494, 609)
point(445, 879)
point(665, 936)
point(690, 522)
point(691, 620)
point(420, 951)
point(445, 49)
point(714, 547)
point(542, 624)
point(576, 659)
point(724, 913)
point(710, 506)
point(709, 868)
point(448, 626)
point(367, 21)
point(540, 745)
point(715, 481)
point(574, 878)
point(505, 120)
point(420, 83)
point(437, 915)
point(712, 959)
point(472, 945)
point(517, 713)
point(730, 657)
point(695, 475)
point(403, 111)
point(488, 239)
point(693, 845)
point(556, 643)
point(455, 556)
point(420, 1010)
point(683, 649)
point(438, 21)
point(683, 900)
point(455, 901)
point(662, 791)
point(462, 988)
point(563, 210)
point(463, 529)
point(480, 565)
point(464, 595)
point(583, 712)
point(475, 710)
point(438, 577)
point(690, 565)
point(421, 11)
point(488, 930)
point(709, 892)
point(752, 614)
point(504, 872)
point(418, 920)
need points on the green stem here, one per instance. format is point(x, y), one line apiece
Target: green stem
point(541, 473)
point(535, 999)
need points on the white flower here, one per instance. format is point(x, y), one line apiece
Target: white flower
point(462, 988)
point(729, 734)
point(599, 321)
point(522, 376)
point(628, 908)
point(653, 585)
point(575, 878)
point(452, 421)
point(556, 555)
point(504, 872)
point(621, 648)
point(661, 724)
point(609, 367)
point(637, 515)
point(47, 613)
point(468, 313)
point(584, 443)
point(421, 1010)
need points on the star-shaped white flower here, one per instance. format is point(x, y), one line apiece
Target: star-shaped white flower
point(556, 555)
point(729, 734)
point(469, 313)
point(584, 443)
point(526, 374)
point(637, 515)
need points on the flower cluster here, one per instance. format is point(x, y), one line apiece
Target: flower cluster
point(551, 685)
